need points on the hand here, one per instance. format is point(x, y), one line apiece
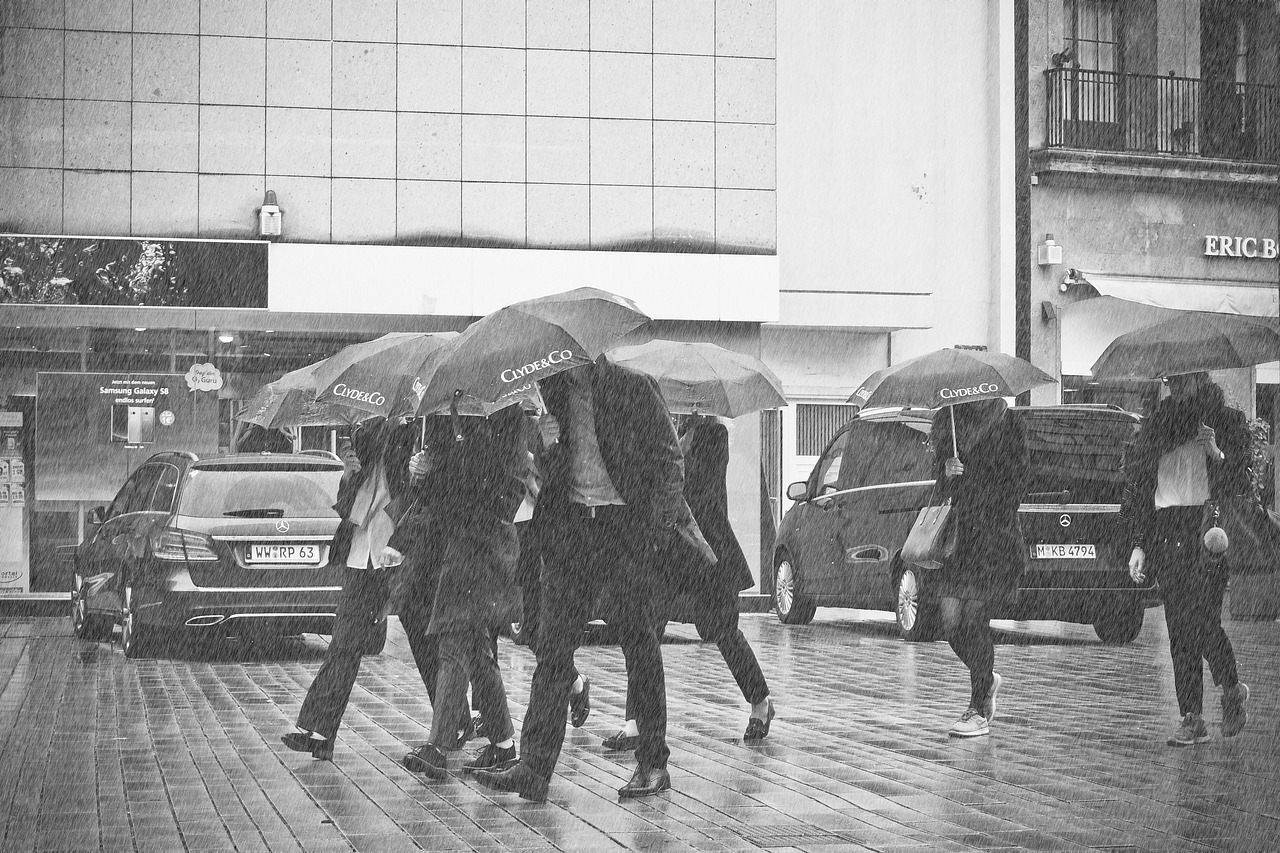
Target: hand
point(954, 467)
point(420, 463)
point(1208, 441)
point(350, 465)
point(387, 558)
point(549, 429)
point(1138, 565)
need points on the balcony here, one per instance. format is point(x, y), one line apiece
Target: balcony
point(1146, 127)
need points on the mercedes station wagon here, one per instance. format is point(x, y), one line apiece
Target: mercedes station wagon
point(234, 545)
point(839, 545)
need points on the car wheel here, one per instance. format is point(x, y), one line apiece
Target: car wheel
point(86, 625)
point(1121, 625)
point(376, 641)
point(134, 636)
point(916, 610)
point(789, 599)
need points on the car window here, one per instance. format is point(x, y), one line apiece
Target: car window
point(884, 452)
point(166, 488)
point(827, 471)
point(260, 493)
point(136, 493)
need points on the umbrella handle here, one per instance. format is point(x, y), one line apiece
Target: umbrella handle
point(955, 450)
point(453, 415)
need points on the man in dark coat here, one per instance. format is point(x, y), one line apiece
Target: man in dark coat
point(471, 484)
point(705, 445)
point(612, 492)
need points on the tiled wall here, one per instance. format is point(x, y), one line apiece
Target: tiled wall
point(565, 123)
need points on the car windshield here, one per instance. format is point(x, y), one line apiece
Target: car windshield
point(258, 492)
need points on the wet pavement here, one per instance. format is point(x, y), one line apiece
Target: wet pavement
point(183, 753)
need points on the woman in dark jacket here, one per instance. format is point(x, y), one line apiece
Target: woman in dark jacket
point(472, 484)
point(1193, 449)
point(984, 472)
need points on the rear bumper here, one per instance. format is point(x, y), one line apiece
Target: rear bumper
point(278, 611)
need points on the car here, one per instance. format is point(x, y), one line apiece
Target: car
point(840, 544)
point(230, 545)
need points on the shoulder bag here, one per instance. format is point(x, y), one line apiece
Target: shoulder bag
point(933, 536)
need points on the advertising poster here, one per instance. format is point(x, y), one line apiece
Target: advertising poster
point(15, 573)
point(94, 429)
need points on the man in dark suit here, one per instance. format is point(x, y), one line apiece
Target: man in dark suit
point(612, 494)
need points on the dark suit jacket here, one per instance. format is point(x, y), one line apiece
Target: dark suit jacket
point(640, 450)
point(706, 464)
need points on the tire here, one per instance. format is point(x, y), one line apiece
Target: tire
point(134, 636)
point(377, 641)
point(790, 602)
point(87, 625)
point(1121, 625)
point(915, 609)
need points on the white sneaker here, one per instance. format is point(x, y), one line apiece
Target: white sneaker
point(989, 704)
point(970, 724)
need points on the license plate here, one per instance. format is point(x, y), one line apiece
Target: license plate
point(1066, 552)
point(298, 554)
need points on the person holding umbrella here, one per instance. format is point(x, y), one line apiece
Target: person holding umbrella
point(981, 462)
point(1193, 449)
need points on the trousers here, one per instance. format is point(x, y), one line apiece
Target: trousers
point(466, 656)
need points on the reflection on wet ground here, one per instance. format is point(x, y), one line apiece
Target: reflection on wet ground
point(183, 752)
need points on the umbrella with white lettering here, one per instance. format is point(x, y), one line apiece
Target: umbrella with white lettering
point(371, 376)
point(291, 401)
point(498, 359)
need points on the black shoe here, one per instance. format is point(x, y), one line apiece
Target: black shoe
point(621, 742)
point(646, 782)
point(491, 757)
point(580, 705)
point(320, 748)
point(517, 778)
point(758, 729)
point(428, 759)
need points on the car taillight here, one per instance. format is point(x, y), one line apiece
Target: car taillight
point(172, 543)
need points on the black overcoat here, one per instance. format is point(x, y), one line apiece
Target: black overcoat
point(706, 466)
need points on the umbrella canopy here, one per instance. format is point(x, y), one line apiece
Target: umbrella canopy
point(291, 401)
point(498, 359)
point(1189, 344)
point(371, 376)
point(949, 376)
point(704, 377)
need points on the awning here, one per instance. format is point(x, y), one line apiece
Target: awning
point(1125, 303)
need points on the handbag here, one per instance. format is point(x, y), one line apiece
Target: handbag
point(933, 537)
point(1243, 534)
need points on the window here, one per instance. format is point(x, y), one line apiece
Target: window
point(888, 453)
point(827, 474)
point(135, 496)
point(1089, 99)
point(1090, 34)
point(166, 488)
point(815, 424)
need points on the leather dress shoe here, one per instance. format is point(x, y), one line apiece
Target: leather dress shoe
point(428, 759)
point(580, 705)
point(320, 748)
point(518, 779)
point(621, 742)
point(758, 729)
point(646, 782)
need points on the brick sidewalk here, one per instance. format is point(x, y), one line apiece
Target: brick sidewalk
point(101, 753)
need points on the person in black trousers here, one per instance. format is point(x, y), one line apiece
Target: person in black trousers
point(612, 492)
point(1193, 449)
point(704, 442)
point(370, 498)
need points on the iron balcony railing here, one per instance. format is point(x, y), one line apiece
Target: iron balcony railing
point(1108, 111)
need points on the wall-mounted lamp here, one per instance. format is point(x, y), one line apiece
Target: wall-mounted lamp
point(1049, 252)
point(1073, 276)
point(270, 217)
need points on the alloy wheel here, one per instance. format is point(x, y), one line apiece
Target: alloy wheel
point(908, 600)
point(79, 608)
point(784, 587)
point(128, 624)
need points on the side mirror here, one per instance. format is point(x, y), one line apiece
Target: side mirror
point(97, 515)
point(798, 491)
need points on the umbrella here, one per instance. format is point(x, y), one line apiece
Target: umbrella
point(500, 357)
point(1188, 344)
point(371, 376)
point(291, 401)
point(703, 377)
point(946, 377)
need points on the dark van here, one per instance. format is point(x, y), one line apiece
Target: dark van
point(839, 545)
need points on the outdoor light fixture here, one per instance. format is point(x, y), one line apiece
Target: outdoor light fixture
point(1050, 253)
point(270, 217)
point(1073, 276)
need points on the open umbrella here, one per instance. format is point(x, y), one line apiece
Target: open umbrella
point(1188, 344)
point(704, 377)
point(946, 377)
point(497, 360)
point(371, 376)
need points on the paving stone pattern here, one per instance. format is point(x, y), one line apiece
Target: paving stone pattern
point(182, 752)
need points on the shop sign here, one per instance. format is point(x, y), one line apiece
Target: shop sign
point(1227, 246)
point(204, 377)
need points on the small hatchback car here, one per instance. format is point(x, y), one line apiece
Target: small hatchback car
point(840, 544)
point(232, 545)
